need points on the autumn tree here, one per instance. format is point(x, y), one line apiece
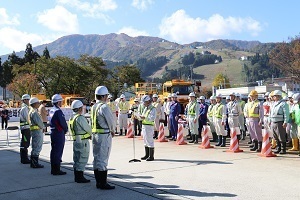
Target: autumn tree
point(24, 84)
point(220, 79)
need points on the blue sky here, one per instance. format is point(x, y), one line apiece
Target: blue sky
point(181, 21)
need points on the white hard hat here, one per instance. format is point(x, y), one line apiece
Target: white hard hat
point(228, 98)
point(56, 98)
point(219, 96)
point(296, 97)
point(290, 94)
point(198, 100)
point(122, 96)
point(232, 94)
point(158, 100)
point(212, 98)
point(202, 98)
point(25, 96)
point(192, 94)
point(237, 94)
point(33, 100)
point(267, 94)
point(277, 92)
point(136, 100)
point(174, 95)
point(101, 90)
point(109, 96)
point(154, 96)
point(146, 98)
point(285, 98)
point(76, 104)
point(170, 95)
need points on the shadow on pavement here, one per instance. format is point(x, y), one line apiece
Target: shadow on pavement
point(198, 162)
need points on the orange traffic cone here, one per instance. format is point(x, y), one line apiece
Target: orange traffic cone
point(130, 133)
point(234, 143)
point(266, 146)
point(205, 139)
point(180, 140)
point(161, 136)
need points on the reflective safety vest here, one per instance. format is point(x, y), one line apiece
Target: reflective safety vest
point(72, 130)
point(95, 125)
point(297, 114)
point(32, 127)
point(112, 106)
point(147, 112)
point(217, 111)
point(191, 109)
point(210, 110)
point(252, 112)
point(123, 106)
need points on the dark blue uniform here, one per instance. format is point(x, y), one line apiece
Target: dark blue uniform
point(203, 108)
point(58, 127)
point(175, 110)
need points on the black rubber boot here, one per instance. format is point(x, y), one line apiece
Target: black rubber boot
point(219, 141)
point(215, 137)
point(79, 178)
point(151, 154)
point(139, 133)
point(255, 147)
point(155, 135)
point(243, 135)
point(189, 136)
point(193, 139)
point(196, 139)
point(125, 132)
point(223, 141)
point(24, 156)
point(259, 147)
point(97, 177)
point(278, 148)
point(146, 153)
point(283, 150)
point(121, 132)
point(170, 134)
point(102, 183)
point(35, 162)
point(56, 170)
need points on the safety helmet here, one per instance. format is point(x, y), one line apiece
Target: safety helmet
point(33, 100)
point(174, 95)
point(296, 97)
point(202, 98)
point(136, 100)
point(101, 90)
point(253, 93)
point(219, 96)
point(232, 94)
point(56, 98)
point(237, 94)
point(145, 98)
point(277, 93)
point(122, 96)
point(170, 95)
point(154, 96)
point(212, 98)
point(290, 94)
point(76, 104)
point(25, 96)
point(109, 96)
point(192, 94)
point(228, 98)
point(267, 94)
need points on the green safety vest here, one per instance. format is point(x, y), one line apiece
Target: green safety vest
point(297, 114)
point(253, 105)
point(210, 110)
point(94, 120)
point(191, 109)
point(72, 130)
point(123, 106)
point(146, 122)
point(32, 127)
point(218, 111)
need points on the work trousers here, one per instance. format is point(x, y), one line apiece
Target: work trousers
point(101, 150)
point(57, 146)
point(147, 132)
point(81, 152)
point(37, 142)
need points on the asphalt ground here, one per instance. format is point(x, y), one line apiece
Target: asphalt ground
point(178, 172)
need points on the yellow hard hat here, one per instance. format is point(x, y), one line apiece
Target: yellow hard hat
point(253, 93)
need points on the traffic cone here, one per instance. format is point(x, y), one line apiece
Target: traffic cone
point(180, 140)
point(266, 146)
point(205, 139)
point(234, 143)
point(161, 136)
point(130, 133)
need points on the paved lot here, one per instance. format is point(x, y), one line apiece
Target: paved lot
point(178, 172)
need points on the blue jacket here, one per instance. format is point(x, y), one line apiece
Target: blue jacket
point(203, 108)
point(57, 120)
point(175, 108)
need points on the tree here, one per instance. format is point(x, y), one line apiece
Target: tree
point(24, 84)
point(220, 79)
point(46, 53)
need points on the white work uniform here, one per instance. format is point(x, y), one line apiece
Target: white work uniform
point(210, 117)
point(234, 111)
point(36, 128)
point(167, 106)
point(102, 141)
point(148, 125)
point(123, 114)
point(219, 116)
point(157, 106)
point(192, 116)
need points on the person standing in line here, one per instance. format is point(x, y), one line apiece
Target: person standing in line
point(175, 110)
point(193, 117)
point(81, 133)
point(241, 116)
point(4, 116)
point(112, 104)
point(25, 130)
point(123, 114)
point(210, 118)
point(36, 128)
point(103, 129)
point(292, 126)
point(234, 111)
point(58, 128)
point(136, 123)
point(148, 122)
point(203, 108)
point(44, 114)
point(219, 117)
point(167, 105)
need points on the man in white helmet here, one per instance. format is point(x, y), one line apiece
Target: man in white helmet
point(175, 110)
point(36, 128)
point(219, 117)
point(167, 105)
point(291, 128)
point(241, 116)
point(58, 128)
point(103, 128)
point(157, 106)
point(112, 104)
point(81, 133)
point(137, 125)
point(123, 114)
point(203, 108)
point(192, 117)
point(148, 117)
point(25, 130)
point(210, 118)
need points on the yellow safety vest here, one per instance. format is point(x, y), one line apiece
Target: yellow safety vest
point(123, 106)
point(191, 109)
point(146, 122)
point(94, 120)
point(253, 105)
point(112, 106)
point(72, 130)
point(32, 127)
point(210, 110)
point(217, 111)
